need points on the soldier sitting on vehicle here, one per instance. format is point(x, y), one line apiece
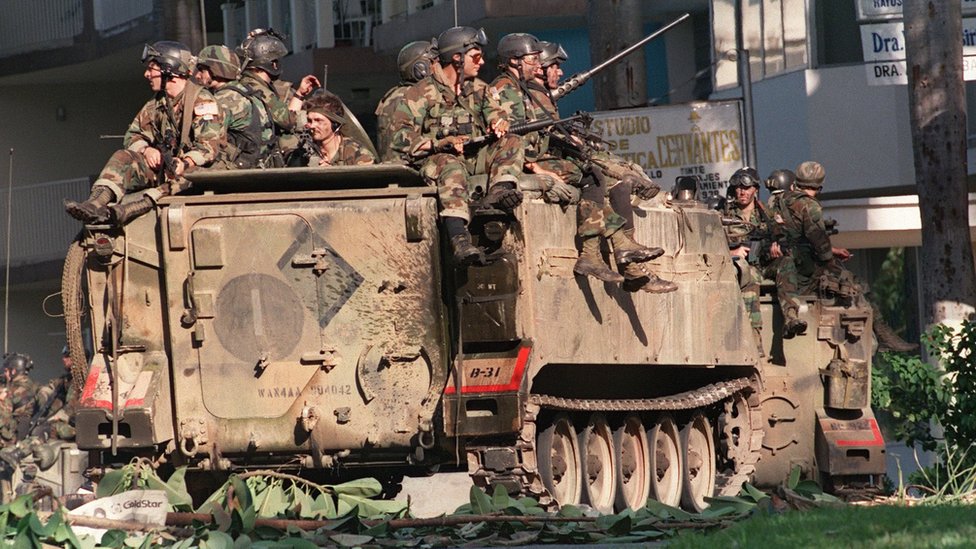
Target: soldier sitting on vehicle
point(176, 131)
point(607, 176)
point(809, 253)
point(778, 182)
point(415, 62)
point(323, 145)
point(250, 132)
point(261, 53)
point(435, 119)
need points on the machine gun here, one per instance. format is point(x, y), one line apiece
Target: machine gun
point(578, 79)
point(306, 152)
point(517, 129)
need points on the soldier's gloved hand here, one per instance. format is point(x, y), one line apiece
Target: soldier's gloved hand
point(561, 193)
point(644, 189)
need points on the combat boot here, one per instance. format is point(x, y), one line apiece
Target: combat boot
point(590, 262)
point(626, 250)
point(464, 252)
point(504, 195)
point(120, 214)
point(639, 279)
point(92, 210)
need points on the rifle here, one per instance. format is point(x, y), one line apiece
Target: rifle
point(517, 129)
point(60, 392)
point(169, 147)
point(308, 147)
point(581, 78)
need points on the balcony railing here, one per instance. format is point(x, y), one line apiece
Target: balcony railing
point(40, 230)
point(39, 25)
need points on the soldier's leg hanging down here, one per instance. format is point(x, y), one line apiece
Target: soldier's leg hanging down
point(590, 227)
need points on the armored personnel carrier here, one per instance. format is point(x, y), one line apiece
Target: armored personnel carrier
point(310, 318)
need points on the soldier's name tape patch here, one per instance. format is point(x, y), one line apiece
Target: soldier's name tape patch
point(207, 110)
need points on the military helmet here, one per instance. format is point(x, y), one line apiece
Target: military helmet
point(263, 49)
point(685, 188)
point(173, 58)
point(744, 177)
point(221, 61)
point(551, 53)
point(780, 180)
point(810, 175)
point(17, 363)
point(517, 44)
point(414, 60)
point(459, 40)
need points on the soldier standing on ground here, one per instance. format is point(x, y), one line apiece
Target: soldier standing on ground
point(414, 63)
point(18, 403)
point(176, 131)
point(808, 249)
point(329, 147)
point(753, 231)
point(435, 119)
point(607, 177)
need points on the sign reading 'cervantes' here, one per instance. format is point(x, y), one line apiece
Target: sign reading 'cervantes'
point(701, 139)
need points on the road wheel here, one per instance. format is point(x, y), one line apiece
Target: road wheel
point(698, 449)
point(633, 477)
point(598, 464)
point(559, 460)
point(665, 461)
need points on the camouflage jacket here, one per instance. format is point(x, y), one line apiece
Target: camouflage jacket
point(506, 98)
point(162, 115)
point(349, 153)
point(276, 104)
point(19, 406)
point(250, 132)
point(430, 110)
point(756, 229)
point(803, 226)
point(384, 122)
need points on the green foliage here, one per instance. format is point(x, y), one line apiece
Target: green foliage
point(888, 289)
point(20, 526)
point(913, 392)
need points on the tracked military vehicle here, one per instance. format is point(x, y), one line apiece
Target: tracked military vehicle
point(310, 318)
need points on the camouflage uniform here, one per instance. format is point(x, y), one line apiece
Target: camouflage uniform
point(754, 231)
point(19, 406)
point(250, 131)
point(127, 169)
point(429, 111)
point(59, 417)
point(384, 123)
point(349, 153)
point(809, 250)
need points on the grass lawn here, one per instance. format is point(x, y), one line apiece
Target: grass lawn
point(849, 526)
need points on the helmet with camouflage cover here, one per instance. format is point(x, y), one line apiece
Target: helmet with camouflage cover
point(263, 49)
point(810, 175)
point(459, 40)
point(517, 44)
point(173, 58)
point(744, 177)
point(780, 180)
point(221, 61)
point(551, 53)
point(414, 60)
point(17, 363)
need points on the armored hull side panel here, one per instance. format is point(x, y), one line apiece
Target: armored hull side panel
point(574, 320)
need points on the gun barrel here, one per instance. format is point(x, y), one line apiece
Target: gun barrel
point(579, 79)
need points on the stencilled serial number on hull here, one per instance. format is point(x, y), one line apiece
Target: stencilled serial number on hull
point(314, 390)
